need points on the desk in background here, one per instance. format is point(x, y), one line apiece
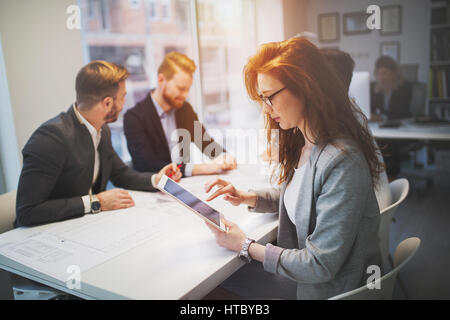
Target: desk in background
point(411, 131)
point(423, 136)
point(182, 262)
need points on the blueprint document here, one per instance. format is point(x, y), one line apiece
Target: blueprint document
point(93, 239)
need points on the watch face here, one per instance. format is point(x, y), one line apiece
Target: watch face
point(95, 206)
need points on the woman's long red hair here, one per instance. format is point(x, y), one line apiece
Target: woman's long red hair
point(328, 111)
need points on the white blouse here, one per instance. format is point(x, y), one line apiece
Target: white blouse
point(292, 192)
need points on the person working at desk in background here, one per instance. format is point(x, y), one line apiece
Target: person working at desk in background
point(390, 94)
point(344, 65)
point(69, 159)
point(149, 125)
point(390, 99)
point(328, 212)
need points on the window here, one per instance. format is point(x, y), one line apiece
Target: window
point(165, 9)
point(152, 14)
point(129, 33)
point(97, 14)
point(136, 42)
point(135, 4)
point(227, 39)
point(169, 48)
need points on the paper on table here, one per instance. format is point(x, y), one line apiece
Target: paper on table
point(90, 240)
point(93, 239)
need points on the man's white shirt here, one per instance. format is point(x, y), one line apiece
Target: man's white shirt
point(96, 137)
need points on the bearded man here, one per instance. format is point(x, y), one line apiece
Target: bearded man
point(155, 126)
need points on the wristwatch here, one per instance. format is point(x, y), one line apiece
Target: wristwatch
point(243, 254)
point(95, 204)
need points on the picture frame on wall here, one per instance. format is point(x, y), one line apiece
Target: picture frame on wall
point(328, 26)
point(391, 20)
point(355, 23)
point(391, 49)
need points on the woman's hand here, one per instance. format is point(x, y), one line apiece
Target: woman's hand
point(232, 239)
point(231, 194)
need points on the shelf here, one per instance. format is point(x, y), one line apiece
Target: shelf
point(440, 63)
point(440, 26)
point(439, 100)
point(439, 60)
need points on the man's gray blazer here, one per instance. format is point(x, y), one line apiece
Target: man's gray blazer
point(335, 236)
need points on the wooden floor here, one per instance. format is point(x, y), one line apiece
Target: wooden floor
point(427, 276)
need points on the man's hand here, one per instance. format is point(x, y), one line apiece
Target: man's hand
point(171, 170)
point(115, 199)
point(225, 162)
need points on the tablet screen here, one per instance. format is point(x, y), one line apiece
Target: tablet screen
point(192, 201)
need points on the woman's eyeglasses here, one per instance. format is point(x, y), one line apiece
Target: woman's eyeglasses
point(268, 100)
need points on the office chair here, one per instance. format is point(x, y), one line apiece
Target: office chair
point(23, 289)
point(399, 191)
point(403, 254)
point(7, 211)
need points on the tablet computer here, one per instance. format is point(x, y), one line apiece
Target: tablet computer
point(185, 197)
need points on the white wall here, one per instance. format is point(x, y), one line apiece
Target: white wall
point(365, 48)
point(9, 155)
point(269, 21)
point(42, 58)
point(294, 17)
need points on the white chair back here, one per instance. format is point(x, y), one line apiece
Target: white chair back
point(7, 211)
point(403, 254)
point(399, 191)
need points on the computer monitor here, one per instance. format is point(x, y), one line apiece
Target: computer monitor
point(360, 91)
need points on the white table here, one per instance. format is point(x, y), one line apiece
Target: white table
point(184, 262)
point(411, 131)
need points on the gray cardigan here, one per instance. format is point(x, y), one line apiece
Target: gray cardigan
point(335, 237)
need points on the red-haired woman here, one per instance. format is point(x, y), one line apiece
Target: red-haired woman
point(328, 167)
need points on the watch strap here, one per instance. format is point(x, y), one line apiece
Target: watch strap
point(243, 254)
point(94, 199)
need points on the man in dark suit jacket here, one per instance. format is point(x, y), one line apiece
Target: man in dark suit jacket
point(390, 94)
point(149, 125)
point(397, 103)
point(69, 159)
